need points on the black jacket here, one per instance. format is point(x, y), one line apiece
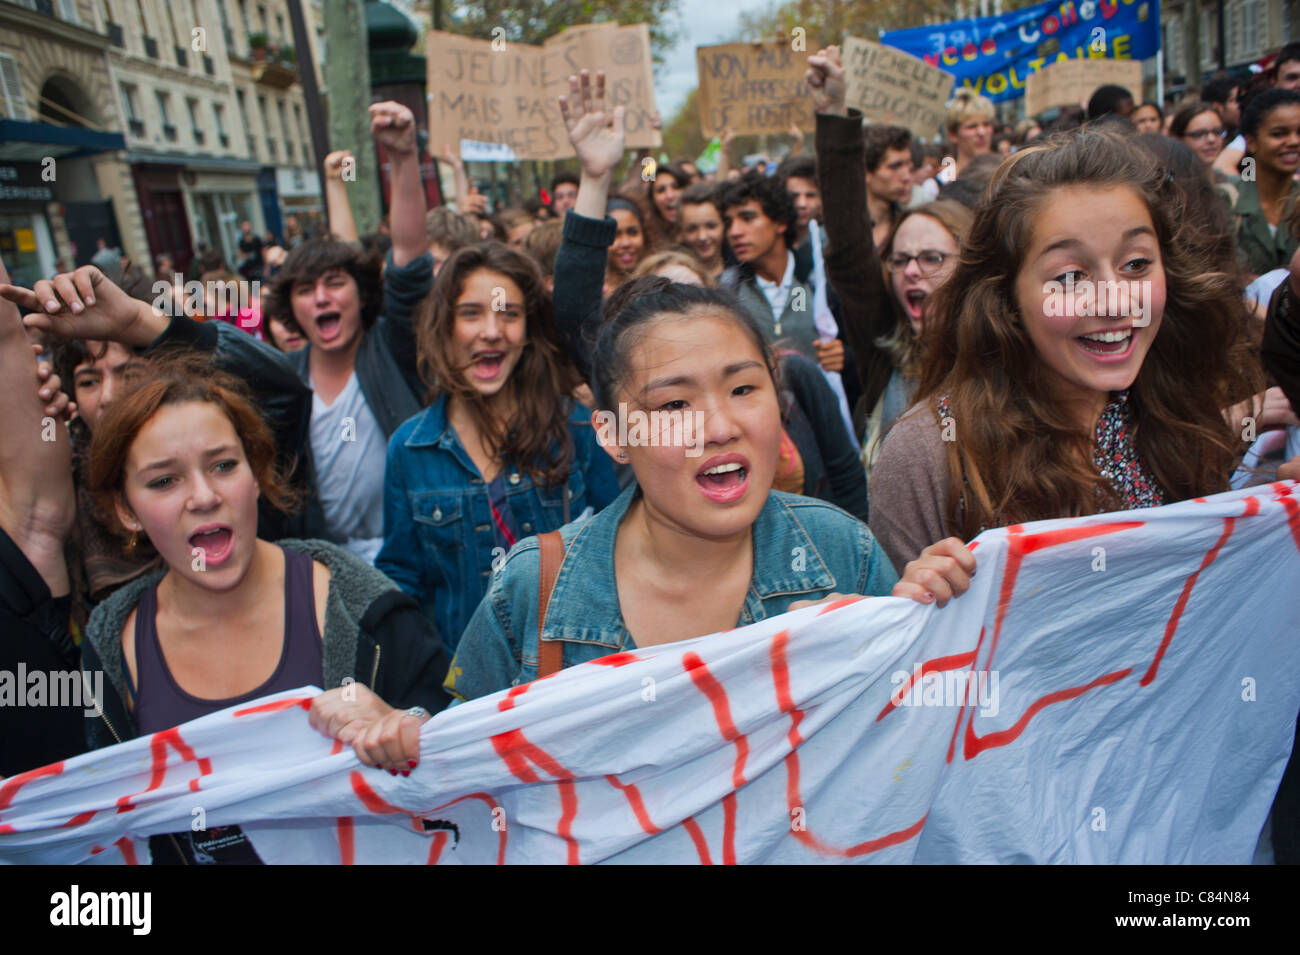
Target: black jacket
point(34, 636)
point(1280, 348)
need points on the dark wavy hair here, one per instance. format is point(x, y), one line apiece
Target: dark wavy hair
point(536, 438)
point(1018, 456)
point(309, 261)
point(771, 196)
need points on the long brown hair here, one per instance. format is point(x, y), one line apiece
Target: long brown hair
point(177, 380)
point(536, 439)
point(1018, 456)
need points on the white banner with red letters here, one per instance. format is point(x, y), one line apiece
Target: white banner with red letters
point(1113, 689)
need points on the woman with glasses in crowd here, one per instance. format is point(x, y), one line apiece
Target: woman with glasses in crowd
point(1199, 128)
point(884, 309)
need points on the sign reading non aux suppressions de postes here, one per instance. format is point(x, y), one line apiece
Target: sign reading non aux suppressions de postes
point(753, 88)
point(889, 86)
point(502, 93)
point(1072, 82)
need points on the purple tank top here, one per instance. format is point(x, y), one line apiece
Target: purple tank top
point(161, 704)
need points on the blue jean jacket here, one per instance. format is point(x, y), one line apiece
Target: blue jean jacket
point(804, 549)
point(439, 544)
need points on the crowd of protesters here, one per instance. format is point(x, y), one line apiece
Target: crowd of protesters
point(351, 480)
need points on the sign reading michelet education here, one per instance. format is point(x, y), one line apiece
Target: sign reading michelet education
point(995, 55)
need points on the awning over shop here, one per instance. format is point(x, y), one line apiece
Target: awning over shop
point(31, 142)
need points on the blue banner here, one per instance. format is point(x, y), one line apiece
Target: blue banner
point(993, 55)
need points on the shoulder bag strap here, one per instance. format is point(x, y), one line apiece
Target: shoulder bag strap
point(549, 652)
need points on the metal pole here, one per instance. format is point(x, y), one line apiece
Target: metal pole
point(1160, 76)
point(320, 142)
point(1223, 46)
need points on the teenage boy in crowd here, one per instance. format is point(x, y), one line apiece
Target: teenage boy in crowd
point(799, 175)
point(889, 177)
point(772, 283)
point(564, 192)
point(358, 371)
point(969, 124)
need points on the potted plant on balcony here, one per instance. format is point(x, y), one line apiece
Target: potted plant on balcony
point(257, 43)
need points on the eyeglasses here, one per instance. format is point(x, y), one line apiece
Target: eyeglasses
point(1206, 134)
point(928, 261)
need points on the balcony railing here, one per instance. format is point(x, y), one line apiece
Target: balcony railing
point(198, 135)
point(224, 140)
point(136, 126)
point(115, 36)
point(182, 57)
point(150, 47)
point(209, 66)
point(169, 132)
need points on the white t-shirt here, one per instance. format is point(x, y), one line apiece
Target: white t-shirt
point(1239, 144)
point(778, 295)
point(350, 453)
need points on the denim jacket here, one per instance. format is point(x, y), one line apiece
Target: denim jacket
point(439, 544)
point(804, 549)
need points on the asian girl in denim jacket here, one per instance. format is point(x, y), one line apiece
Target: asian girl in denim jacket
point(701, 543)
point(502, 453)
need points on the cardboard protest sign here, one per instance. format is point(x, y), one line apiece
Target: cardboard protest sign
point(753, 88)
point(890, 86)
point(1117, 688)
point(1072, 82)
point(503, 95)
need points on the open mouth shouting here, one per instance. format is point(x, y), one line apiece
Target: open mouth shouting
point(215, 540)
point(1106, 346)
point(486, 365)
point(329, 325)
point(914, 302)
point(724, 478)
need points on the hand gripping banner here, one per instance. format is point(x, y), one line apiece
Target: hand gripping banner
point(1120, 688)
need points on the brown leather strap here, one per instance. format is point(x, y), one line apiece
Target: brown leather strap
point(549, 652)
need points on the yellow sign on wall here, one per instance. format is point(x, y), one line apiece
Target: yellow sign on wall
point(26, 240)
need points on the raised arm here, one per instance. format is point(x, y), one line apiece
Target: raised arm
point(852, 265)
point(37, 503)
point(597, 136)
point(337, 208)
point(393, 126)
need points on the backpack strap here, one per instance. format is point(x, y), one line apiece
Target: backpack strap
point(550, 653)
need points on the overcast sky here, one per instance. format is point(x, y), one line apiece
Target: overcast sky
point(701, 23)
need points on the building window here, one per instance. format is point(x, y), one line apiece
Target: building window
point(195, 129)
point(279, 28)
point(131, 106)
point(284, 129)
point(165, 113)
point(1251, 32)
point(218, 114)
point(11, 87)
point(68, 10)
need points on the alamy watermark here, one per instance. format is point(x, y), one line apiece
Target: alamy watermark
point(653, 429)
point(51, 688)
point(1086, 299)
point(946, 688)
point(212, 298)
